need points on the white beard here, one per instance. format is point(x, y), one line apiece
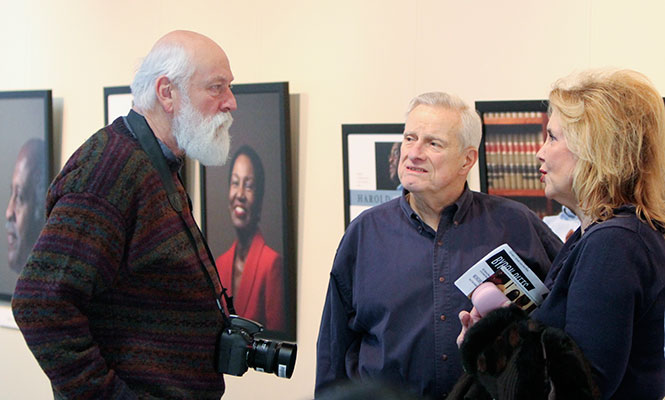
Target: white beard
point(204, 139)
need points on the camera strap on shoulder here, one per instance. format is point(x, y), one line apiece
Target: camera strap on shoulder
point(139, 127)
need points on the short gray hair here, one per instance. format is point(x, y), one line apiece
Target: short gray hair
point(168, 59)
point(470, 130)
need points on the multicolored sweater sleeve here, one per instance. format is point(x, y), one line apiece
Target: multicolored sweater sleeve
point(113, 301)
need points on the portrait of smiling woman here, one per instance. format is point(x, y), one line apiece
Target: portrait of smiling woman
point(253, 269)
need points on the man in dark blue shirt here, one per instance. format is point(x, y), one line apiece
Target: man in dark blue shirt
point(391, 308)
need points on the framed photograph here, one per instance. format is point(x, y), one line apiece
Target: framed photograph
point(514, 127)
point(371, 156)
point(246, 213)
point(26, 128)
point(118, 100)
point(513, 132)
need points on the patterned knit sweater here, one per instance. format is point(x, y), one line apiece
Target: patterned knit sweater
point(113, 302)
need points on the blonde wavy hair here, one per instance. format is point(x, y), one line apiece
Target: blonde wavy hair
point(614, 122)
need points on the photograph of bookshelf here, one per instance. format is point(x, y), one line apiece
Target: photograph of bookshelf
point(513, 132)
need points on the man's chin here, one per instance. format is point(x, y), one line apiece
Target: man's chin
point(210, 161)
point(211, 154)
point(16, 267)
point(410, 186)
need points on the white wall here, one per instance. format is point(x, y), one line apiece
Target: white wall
point(349, 61)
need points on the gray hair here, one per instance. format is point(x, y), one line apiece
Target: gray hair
point(470, 130)
point(168, 59)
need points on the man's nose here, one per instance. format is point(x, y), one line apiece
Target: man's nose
point(229, 103)
point(415, 150)
point(9, 212)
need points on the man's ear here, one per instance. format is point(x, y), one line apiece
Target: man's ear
point(470, 157)
point(164, 91)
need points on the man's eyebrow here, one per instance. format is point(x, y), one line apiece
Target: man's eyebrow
point(218, 79)
point(429, 136)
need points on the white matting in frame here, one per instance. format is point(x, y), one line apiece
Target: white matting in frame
point(118, 101)
point(371, 154)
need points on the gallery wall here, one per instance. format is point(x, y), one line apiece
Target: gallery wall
point(346, 62)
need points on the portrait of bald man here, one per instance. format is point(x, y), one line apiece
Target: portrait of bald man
point(25, 207)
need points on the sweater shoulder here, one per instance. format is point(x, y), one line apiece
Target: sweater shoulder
point(110, 165)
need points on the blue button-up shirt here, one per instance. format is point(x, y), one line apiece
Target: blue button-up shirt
point(391, 308)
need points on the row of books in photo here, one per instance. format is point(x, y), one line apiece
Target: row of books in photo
point(498, 117)
point(511, 160)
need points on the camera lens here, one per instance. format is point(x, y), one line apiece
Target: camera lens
point(276, 357)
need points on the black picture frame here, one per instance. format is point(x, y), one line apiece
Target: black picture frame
point(261, 122)
point(368, 180)
point(118, 100)
point(26, 128)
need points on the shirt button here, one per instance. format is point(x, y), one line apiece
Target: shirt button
point(439, 243)
point(444, 395)
point(456, 223)
point(443, 317)
point(444, 357)
point(442, 279)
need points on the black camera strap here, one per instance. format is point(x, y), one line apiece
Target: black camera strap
point(137, 124)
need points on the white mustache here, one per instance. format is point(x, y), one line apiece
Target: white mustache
point(221, 120)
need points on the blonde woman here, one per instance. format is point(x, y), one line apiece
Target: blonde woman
point(604, 158)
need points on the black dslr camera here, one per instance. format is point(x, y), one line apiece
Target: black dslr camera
point(237, 349)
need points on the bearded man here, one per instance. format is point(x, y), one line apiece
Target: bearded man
point(118, 299)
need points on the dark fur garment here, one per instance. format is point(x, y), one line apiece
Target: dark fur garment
point(508, 356)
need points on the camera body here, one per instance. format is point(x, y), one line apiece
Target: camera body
point(238, 349)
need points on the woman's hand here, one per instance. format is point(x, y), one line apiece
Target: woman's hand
point(467, 319)
point(485, 298)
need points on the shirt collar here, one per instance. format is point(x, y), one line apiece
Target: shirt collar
point(463, 204)
point(174, 162)
point(459, 208)
point(567, 214)
point(171, 159)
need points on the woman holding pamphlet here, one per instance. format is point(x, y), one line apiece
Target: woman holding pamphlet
point(604, 158)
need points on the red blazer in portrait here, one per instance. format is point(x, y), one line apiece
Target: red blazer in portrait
point(261, 292)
